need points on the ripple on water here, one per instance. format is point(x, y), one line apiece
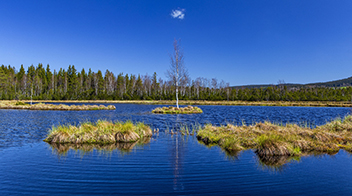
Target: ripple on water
point(167, 164)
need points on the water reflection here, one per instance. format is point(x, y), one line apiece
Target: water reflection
point(174, 164)
point(20, 127)
point(275, 163)
point(271, 163)
point(124, 148)
point(232, 155)
point(177, 152)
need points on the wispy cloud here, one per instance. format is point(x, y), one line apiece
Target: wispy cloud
point(178, 13)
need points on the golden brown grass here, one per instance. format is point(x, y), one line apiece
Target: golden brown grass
point(203, 102)
point(269, 139)
point(101, 132)
point(43, 106)
point(175, 110)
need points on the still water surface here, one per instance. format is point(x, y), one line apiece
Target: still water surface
point(166, 164)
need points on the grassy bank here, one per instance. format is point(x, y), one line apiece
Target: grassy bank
point(42, 106)
point(269, 139)
point(101, 132)
point(175, 110)
point(201, 102)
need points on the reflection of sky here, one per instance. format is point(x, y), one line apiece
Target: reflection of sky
point(166, 166)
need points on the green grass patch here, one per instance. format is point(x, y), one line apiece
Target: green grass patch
point(21, 103)
point(175, 110)
point(101, 132)
point(268, 139)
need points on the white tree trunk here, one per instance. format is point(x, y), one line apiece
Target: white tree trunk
point(177, 96)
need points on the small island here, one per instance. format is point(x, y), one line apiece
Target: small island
point(268, 139)
point(45, 106)
point(101, 132)
point(174, 110)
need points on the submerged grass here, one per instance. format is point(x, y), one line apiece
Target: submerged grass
point(182, 128)
point(268, 139)
point(174, 110)
point(43, 106)
point(101, 132)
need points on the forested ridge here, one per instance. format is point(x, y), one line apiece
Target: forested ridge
point(41, 83)
point(335, 83)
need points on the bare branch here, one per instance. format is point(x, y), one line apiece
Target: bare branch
point(177, 72)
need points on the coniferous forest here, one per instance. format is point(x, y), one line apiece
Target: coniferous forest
point(41, 83)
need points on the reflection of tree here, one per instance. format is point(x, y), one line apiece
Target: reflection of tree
point(177, 151)
point(176, 172)
point(124, 148)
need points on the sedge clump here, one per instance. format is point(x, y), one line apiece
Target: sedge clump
point(175, 110)
point(101, 132)
point(268, 139)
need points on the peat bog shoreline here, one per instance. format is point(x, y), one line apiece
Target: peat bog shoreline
point(20, 105)
point(204, 102)
point(273, 140)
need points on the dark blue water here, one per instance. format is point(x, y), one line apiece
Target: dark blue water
point(166, 164)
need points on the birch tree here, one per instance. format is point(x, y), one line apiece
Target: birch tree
point(177, 72)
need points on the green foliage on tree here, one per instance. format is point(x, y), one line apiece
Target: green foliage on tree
point(73, 85)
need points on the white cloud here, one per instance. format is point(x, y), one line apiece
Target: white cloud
point(178, 13)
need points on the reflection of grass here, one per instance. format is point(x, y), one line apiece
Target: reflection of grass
point(175, 110)
point(208, 145)
point(102, 132)
point(275, 163)
point(42, 106)
point(124, 148)
point(291, 140)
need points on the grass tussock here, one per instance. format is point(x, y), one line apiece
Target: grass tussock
point(268, 139)
point(174, 110)
point(43, 106)
point(101, 132)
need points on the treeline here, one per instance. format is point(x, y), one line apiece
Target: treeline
point(43, 84)
point(284, 93)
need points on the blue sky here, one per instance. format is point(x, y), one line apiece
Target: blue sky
point(241, 42)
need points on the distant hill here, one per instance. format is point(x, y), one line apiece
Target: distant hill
point(334, 83)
